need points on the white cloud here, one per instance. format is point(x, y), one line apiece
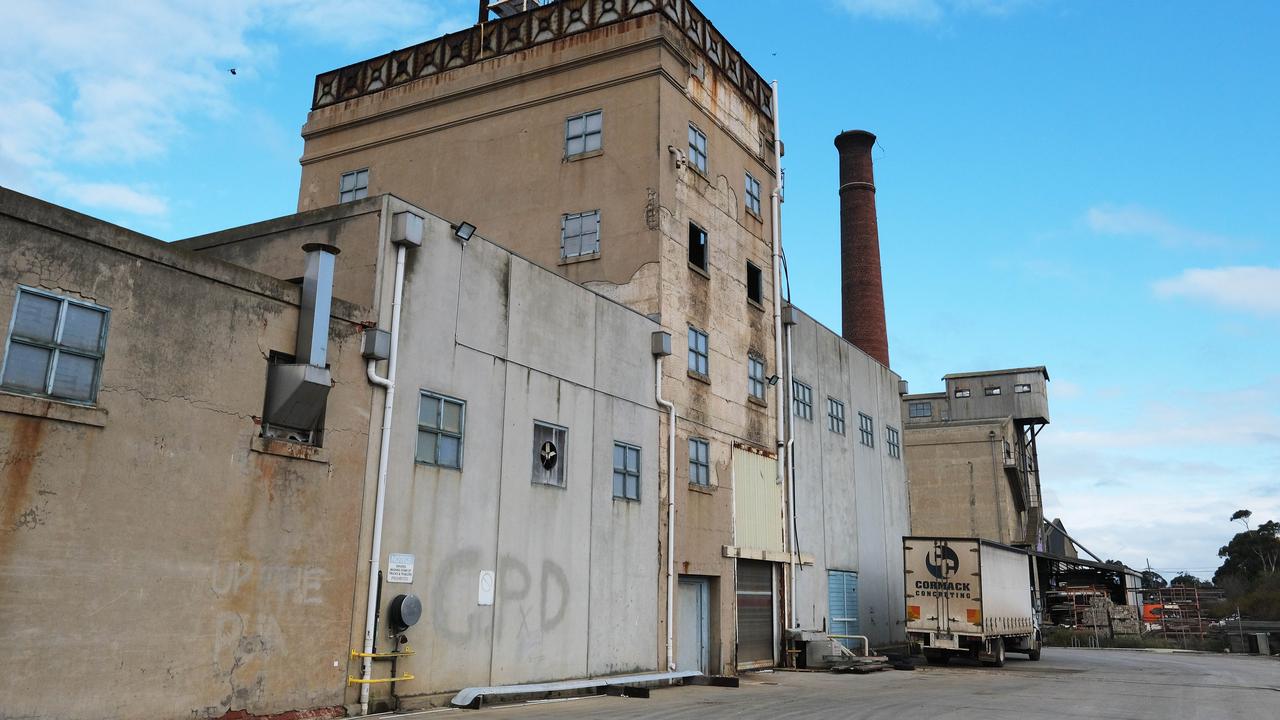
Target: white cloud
point(1253, 289)
point(92, 85)
point(929, 11)
point(1134, 221)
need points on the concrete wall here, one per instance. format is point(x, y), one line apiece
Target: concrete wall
point(959, 485)
point(575, 567)
point(157, 559)
point(851, 500)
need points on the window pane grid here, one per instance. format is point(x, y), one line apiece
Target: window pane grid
point(440, 430)
point(583, 133)
point(866, 429)
point(698, 357)
point(580, 234)
point(802, 400)
point(626, 471)
point(753, 194)
point(755, 377)
point(893, 441)
point(920, 409)
point(55, 347)
point(697, 148)
point(699, 463)
point(835, 416)
point(353, 185)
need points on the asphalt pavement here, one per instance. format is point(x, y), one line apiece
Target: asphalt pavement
point(1067, 683)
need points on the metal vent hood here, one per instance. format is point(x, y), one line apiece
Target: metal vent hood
point(297, 392)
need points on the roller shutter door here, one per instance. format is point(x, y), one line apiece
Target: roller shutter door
point(755, 614)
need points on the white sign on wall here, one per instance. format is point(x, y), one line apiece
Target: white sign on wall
point(487, 582)
point(399, 568)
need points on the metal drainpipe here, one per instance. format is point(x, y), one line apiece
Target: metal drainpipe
point(791, 477)
point(384, 454)
point(776, 205)
point(671, 510)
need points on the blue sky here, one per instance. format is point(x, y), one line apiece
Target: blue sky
point(1082, 184)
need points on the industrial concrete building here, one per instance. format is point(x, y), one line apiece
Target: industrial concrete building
point(512, 468)
point(971, 456)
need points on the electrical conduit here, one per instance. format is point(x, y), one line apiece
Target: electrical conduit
point(775, 198)
point(671, 510)
point(384, 455)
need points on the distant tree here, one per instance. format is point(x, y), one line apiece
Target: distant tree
point(1243, 516)
point(1153, 580)
point(1250, 555)
point(1186, 579)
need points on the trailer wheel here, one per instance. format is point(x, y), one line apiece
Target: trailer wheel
point(997, 654)
point(1035, 649)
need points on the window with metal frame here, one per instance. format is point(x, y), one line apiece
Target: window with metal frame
point(1022, 388)
point(802, 400)
point(55, 348)
point(991, 390)
point(550, 454)
point(753, 194)
point(697, 148)
point(626, 471)
point(699, 359)
point(441, 420)
point(699, 462)
point(580, 234)
point(893, 441)
point(755, 283)
point(920, 409)
point(697, 247)
point(583, 133)
point(835, 416)
point(866, 428)
point(755, 376)
point(962, 392)
point(354, 185)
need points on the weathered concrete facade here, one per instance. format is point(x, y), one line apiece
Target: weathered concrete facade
point(573, 566)
point(851, 497)
point(483, 140)
point(971, 456)
point(158, 558)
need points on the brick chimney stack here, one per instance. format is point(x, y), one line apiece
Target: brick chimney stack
point(862, 292)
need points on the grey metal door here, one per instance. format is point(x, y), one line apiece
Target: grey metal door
point(693, 625)
point(755, 614)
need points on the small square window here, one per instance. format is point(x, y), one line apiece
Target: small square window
point(755, 287)
point(755, 376)
point(962, 392)
point(697, 247)
point(802, 400)
point(920, 409)
point(991, 390)
point(55, 347)
point(753, 194)
point(550, 454)
point(626, 471)
point(697, 148)
point(353, 186)
point(580, 234)
point(699, 462)
point(866, 430)
point(698, 356)
point(835, 416)
point(583, 133)
point(893, 440)
point(440, 427)
point(1022, 388)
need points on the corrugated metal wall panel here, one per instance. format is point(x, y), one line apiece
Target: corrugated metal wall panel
point(757, 502)
point(755, 613)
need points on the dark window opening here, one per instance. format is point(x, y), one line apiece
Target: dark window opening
point(697, 247)
point(755, 287)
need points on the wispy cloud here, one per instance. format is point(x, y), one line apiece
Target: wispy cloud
point(1134, 221)
point(86, 86)
point(929, 11)
point(1250, 288)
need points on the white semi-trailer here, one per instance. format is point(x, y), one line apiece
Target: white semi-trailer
point(969, 596)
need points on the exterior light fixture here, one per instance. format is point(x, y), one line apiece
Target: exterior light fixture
point(773, 380)
point(464, 230)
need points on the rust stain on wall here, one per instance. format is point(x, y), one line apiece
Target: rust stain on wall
point(24, 449)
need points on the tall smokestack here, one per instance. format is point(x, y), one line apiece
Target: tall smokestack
point(862, 293)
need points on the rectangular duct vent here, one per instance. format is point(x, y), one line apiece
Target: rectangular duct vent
point(296, 397)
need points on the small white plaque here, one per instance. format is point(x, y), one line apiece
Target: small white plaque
point(399, 568)
point(487, 581)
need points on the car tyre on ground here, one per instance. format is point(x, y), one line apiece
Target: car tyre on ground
point(997, 654)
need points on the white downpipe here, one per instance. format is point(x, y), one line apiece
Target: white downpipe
point(671, 512)
point(791, 476)
point(775, 198)
point(384, 456)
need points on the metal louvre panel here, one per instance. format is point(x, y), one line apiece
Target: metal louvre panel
point(758, 502)
point(755, 612)
point(842, 597)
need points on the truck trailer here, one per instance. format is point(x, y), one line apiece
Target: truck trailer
point(967, 596)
